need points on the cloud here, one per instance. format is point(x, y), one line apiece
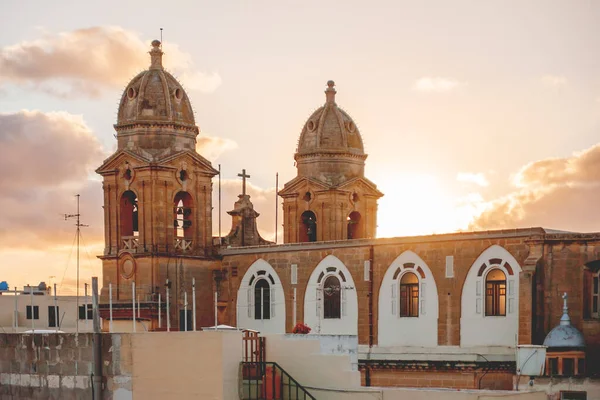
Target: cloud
point(470, 177)
point(47, 159)
point(212, 147)
point(554, 193)
point(85, 62)
point(554, 80)
point(435, 84)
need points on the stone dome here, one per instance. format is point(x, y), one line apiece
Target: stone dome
point(565, 335)
point(154, 96)
point(330, 130)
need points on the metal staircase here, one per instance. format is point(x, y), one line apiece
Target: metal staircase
point(268, 381)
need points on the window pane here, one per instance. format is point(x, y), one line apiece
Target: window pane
point(595, 285)
point(409, 278)
point(53, 316)
point(568, 367)
point(262, 304)
point(332, 297)
point(595, 304)
point(495, 292)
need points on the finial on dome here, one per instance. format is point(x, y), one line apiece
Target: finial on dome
point(156, 55)
point(330, 92)
point(565, 320)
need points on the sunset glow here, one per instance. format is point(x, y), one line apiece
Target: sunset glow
point(474, 115)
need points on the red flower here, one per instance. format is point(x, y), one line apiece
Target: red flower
point(301, 328)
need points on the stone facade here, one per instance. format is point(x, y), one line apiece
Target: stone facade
point(157, 196)
point(330, 199)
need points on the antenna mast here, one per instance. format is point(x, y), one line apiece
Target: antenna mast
point(78, 225)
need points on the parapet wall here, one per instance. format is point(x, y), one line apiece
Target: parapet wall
point(156, 365)
point(58, 366)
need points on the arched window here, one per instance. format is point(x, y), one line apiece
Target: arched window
point(332, 296)
point(495, 293)
point(129, 214)
point(409, 295)
point(183, 215)
point(308, 228)
point(355, 230)
point(262, 300)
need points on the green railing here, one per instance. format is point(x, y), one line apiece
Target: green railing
point(268, 381)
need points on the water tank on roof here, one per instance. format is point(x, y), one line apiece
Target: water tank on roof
point(42, 286)
point(3, 285)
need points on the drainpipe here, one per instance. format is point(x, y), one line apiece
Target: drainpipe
point(97, 343)
point(371, 266)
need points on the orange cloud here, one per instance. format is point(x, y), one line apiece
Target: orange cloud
point(211, 147)
point(84, 62)
point(48, 158)
point(555, 193)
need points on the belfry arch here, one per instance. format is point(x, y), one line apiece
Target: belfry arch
point(355, 228)
point(308, 227)
point(183, 212)
point(129, 222)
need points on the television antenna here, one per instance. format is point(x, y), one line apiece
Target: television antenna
point(78, 224)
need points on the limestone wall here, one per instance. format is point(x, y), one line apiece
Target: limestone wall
point(59, 366)
point(161, 365)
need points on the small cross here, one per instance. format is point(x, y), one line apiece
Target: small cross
point(243, 176)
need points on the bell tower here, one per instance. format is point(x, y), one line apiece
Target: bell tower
point(157, 188)
point(330, 198)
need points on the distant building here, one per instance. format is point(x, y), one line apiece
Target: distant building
point(438, 310)
point(36, 308)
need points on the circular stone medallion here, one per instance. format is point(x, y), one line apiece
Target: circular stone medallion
point(127, 268)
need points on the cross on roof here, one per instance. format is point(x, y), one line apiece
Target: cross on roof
point(243, 176)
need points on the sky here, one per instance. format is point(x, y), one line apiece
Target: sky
point(475, 115)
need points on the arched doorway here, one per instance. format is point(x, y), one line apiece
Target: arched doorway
point(308, 227)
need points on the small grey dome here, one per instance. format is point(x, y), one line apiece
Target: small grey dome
point(565, 335)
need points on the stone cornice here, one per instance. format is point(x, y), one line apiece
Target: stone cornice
point(431, 366)
point(458, 236)
point(120, 128)
point(329, 154)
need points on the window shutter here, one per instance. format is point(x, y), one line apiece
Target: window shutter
point(250, 292)
point(395, 298)
point(272, 302)
point(344, 302)
point(478, 296)
point(511, 296)
point(587, 292)
point(318, 302)
point(294, 274)
point(28, 308)
point(36, 312)
point(422, 297)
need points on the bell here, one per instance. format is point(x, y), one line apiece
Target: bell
point(179, 210)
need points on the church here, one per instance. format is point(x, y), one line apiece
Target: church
point(443, 310)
